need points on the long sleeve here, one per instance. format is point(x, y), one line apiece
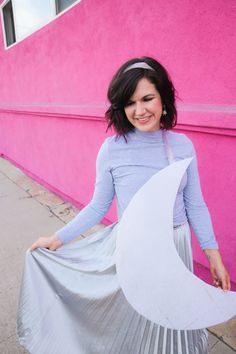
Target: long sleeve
point(196, 209)
point(99, 204)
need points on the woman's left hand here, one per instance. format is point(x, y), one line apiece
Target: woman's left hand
point(220, 276)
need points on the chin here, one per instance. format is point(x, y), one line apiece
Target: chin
point(148, 128)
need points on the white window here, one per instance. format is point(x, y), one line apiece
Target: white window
point(31, 15)
point(23, 17)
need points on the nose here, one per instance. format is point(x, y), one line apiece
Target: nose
point(139, 109)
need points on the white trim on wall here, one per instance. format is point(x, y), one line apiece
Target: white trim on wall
point(210, 119)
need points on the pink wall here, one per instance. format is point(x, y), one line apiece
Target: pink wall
point(53, 94)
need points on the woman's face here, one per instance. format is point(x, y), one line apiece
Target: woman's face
point(144, 108)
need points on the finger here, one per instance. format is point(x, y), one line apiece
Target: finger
point(228, 282)
point(214, 275)
point(55, 245)
point(34, 246)
point(224, 284)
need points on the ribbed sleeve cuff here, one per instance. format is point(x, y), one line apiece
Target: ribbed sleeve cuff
point(210, 245)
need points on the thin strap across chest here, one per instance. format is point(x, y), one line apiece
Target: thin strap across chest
point(168, 149)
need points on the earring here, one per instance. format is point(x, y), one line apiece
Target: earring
point(164, 112)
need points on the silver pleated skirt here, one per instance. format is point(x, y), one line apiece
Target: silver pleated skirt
point(71, 303)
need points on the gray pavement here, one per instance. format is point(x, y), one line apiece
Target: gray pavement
point(28, 211)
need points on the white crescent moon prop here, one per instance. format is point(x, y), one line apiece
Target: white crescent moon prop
point(151, 274)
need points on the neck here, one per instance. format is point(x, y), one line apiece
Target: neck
point(152, 136)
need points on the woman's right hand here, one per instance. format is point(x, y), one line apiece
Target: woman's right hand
point(51, 243)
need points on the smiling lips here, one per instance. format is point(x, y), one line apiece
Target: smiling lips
point(143, 120)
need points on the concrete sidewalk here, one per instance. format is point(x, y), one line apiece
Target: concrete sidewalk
point(28, 211)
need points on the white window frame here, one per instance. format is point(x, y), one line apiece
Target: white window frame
point(6, 47)
point(3, 23)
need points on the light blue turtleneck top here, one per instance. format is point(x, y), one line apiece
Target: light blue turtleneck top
point(123, 167)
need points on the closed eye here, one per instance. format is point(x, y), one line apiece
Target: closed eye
point(129, 103)
point(147, 99)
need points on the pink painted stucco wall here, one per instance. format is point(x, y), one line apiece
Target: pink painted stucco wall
point(53, 94)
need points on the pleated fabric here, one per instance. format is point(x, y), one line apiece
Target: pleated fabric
point(71, 302)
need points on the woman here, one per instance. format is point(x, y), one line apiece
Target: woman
point(81, 306)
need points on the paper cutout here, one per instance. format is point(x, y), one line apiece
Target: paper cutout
point(153, 277)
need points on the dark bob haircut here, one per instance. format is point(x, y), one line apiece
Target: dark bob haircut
point(123, 86)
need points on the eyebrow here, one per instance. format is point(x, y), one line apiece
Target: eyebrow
point(149, 94)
